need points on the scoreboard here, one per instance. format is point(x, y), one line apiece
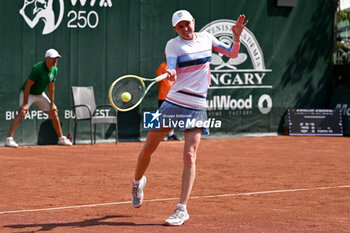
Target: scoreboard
point(315, 122)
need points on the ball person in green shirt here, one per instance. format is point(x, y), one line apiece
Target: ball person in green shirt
point(42, 76)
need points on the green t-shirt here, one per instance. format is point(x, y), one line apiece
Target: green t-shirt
point(41, 76)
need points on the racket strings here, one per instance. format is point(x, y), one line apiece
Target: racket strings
point(132, 85)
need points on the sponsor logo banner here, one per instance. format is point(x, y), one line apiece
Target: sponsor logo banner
point(52, 12)
point(341, 101)
point(241, 84)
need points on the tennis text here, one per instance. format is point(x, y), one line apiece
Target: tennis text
point(40, 115)
point(230, 79)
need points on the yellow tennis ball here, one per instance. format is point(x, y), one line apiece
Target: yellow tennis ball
point(126, 96)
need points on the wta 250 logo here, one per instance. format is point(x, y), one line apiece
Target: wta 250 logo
point(51, 13)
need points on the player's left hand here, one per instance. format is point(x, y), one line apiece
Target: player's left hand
point(54, 108)
point(238, 27)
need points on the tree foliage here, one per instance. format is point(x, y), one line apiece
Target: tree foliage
point(343, 44)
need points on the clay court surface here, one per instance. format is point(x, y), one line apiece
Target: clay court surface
point(266, 184)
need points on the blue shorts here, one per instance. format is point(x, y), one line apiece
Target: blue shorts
point(182, 118)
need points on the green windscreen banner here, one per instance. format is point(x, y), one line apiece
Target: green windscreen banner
point(282, 63)
point(341, 101)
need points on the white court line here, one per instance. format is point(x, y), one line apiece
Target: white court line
point(173, 198)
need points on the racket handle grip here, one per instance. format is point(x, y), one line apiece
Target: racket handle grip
point(161, 77)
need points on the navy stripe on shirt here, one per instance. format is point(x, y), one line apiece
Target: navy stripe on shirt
point(191, 94)
point(195, 62)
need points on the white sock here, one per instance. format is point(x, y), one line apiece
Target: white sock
point(171, 133)
point(136, 182)
point(182, 206)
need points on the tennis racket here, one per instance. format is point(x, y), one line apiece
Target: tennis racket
point(128, 91)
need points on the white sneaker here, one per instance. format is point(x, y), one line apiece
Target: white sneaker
point(64, 141)
point(137, 192)
point(10, 142)
point(178, 218)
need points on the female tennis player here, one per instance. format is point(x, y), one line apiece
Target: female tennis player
point(188, 64)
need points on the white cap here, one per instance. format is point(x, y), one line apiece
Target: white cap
point(52, 53)
point(181, 15)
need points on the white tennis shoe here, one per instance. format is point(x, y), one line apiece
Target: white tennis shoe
point(10, 142)
point(64, 141)
point(178, 218)
point(137, 192)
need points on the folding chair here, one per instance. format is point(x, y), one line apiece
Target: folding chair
point(86, 109)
